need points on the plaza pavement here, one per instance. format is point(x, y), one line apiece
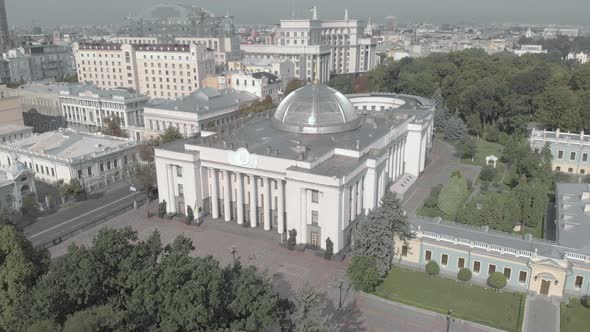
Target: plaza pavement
point(288, 271)
point(541, 314)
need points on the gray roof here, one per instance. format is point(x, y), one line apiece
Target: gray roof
point(271, 78)
point(49, 88)
point(204, 101)
point(12, 128)
point(573, 221)
point(69, 144)
point(90, 91)
point(335, 166)
point(500, 239)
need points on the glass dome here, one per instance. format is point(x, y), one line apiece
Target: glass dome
point(316, 109)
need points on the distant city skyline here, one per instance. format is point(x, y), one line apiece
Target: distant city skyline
point(75, 12)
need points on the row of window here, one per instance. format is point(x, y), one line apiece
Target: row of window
point(572, 155)
point(570, 170)
point(109, 165)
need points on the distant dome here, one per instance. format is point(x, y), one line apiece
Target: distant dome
point(316, 109)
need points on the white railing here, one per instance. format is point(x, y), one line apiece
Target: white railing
point(574, 256)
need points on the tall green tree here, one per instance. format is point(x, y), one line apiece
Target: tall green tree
point(111, 126)
point(308, 315)
point(171, 134)
point(557, 107)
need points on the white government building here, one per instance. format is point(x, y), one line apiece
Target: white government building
point(315, 166)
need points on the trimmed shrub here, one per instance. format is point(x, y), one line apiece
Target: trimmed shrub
point(432, 268)
point(464, 274)
point(497, 280)
point(488, 173)
point(292, 240)
point(363, 273)
point(329, 249)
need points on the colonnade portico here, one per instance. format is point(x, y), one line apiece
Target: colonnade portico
point(259, 194)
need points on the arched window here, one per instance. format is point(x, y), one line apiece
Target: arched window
point(25, 189)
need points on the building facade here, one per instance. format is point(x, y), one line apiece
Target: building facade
point(13, 133)
point(16, 183)
point(570, 151)
point(156, 70)
point(204, 108)
point(225, 48)
point(260, 84)
point(332, 159)
point(85, 106)
point(95, 160)
point(283, 69)
point(4, 32)
point(39, 62)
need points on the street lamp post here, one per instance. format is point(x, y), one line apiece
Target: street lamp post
point(449, 317)
point(234, 250)
point(340, 283)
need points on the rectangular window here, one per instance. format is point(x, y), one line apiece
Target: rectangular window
point(560, 154)
point(507, 272)
point(428, 256)
point(404, 251)
point(476, 266)
point(179, 171)
point(101, 167)
point(558, 168)
point(579, 281)
point(108, 165)
point(180, 190)
point(79, 174)
point(585, 157)
point(522, 277)
point(115, 163)
point(444, 260)
point(572, 156)
point(89, 171)
point(315, 196)
point(570, 170)
point(491, 268)
point(314, 217)
point(461, 263)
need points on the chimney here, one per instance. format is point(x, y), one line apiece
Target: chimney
point(582, 136)
point(276, 153)
point(528, 237)
point(484, 228)
point(301, 156)
point(557, 133)
point(358, 144)
point(268, 150)
point(232, 146)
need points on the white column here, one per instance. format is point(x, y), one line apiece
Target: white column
point(214, 194)
point(359, 205)
point(171, 207)
point(240, 198)
point(253, 193)
point(402, 149)
point(391, 169)
point(226, 196)
point(266, 192)
point(281, 207)
point(353, 203)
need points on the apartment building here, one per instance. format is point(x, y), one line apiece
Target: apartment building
point(85, 106)
point(283, 69)
point(224, 48)
point(35, 62)
point(155, 70)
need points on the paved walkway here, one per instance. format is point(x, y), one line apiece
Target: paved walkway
point(443, 163)
point(541, 314)
point(287, 271)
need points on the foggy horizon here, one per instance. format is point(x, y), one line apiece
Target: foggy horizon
point(76, 12)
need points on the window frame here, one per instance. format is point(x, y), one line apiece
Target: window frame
point(478, 263)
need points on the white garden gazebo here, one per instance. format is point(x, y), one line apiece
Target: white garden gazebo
point(492, 160)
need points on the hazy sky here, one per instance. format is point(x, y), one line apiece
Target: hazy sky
point(51, 12)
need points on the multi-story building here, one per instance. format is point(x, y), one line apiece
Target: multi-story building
point(283, 69)
point(155, 70)
point(307, 42)
point(570, 151)
point(530, 49)
point(38, 62)
point(333, 163)
point(580, 57)
point(85, 106)
point(555, 32)
point(4, 33)
point(95, 160)
point(260, 84)
point(13, 133)
point(225, 49)
point(202, 109)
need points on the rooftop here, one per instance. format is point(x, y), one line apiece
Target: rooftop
point(573, 215)
point(68, 144)
point(90, 91)
point(13, 128)
point(204, 101)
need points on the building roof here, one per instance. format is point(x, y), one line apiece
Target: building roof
point(90, 91)
point(573, 215)
point(68, 144)
point(316, 109)
point(271, 78)
point(47, 88)
point(13, 128)
point(204, 101)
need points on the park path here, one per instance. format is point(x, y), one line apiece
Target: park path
point(541, 314)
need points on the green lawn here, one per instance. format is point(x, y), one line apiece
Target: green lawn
point(484, 149)
point(574, 317)
point(473, 303)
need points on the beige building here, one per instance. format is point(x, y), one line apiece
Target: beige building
point(283, 69)
point(11, 112)
point(156, 70)
point(225, 49)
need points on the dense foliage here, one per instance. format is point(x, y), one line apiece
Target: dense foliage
point(453, 195)
point(500, 90)
point(497, 280)
point(363, 273)
point(122, 284)
point(464, 274)
point(432, 268)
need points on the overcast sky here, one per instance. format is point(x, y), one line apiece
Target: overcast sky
point(52, 12)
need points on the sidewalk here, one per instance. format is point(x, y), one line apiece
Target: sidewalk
point(541, 314)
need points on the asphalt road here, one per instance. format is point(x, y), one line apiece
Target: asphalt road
point(94, 210)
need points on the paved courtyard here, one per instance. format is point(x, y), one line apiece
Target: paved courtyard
point(286, 269)
point(541, 314)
